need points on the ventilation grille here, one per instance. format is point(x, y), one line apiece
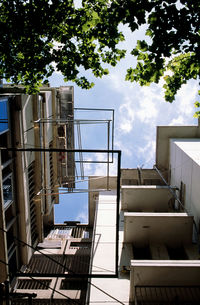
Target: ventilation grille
point(167, 295)
point(31, 184)
point(69, 231)
point(63, 301)
point(63, 263)
point(33, 284)
point(51, 170)
point(78, 232)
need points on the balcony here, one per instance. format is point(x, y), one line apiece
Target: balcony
point(157, 295)
point(154, 198)
point(165, 282)
point(140, 176)
point(170, 228)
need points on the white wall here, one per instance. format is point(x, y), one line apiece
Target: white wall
point(185, 167)
point(109, 290)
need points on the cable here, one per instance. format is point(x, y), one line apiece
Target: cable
point(36, 249)
point(89, 282)
point(45, 285)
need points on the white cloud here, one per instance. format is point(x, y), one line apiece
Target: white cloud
point(177, 121)
point(83, 216)
point(126, 115)
point(120, 145)
point(141, 109)
point(148, 152)
point(138, 110)
point(186, 98)
point(101, 169)
point(147, 104)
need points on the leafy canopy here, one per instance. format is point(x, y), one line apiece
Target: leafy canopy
point(172, 49)
point(37, 35)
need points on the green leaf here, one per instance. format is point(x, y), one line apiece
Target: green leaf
point(197, 104)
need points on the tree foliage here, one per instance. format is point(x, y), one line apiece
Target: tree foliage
point(37, 35)
point(172, 48)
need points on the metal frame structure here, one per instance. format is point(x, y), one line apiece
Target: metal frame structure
point(73, 275)
point(78, 123)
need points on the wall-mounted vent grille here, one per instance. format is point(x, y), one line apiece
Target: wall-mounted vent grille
point(26, 301)
point(69, 231)
point(78, 263)
point(33, 284)
point(51, 171)
point(77, 232)
point(31, 184)
point(167, 295)
point(62, 264)
point(42, 264)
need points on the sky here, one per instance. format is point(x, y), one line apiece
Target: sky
point(138, 110)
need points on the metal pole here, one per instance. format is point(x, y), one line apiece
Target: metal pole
point(117, 211)
point(61, 149)
point(113, 122)
point(170, 189)
point(108, 155)
point(7, 296)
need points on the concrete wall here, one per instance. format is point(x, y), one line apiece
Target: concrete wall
point(163, 273)
point(109, 290)
point(173, 229)
point(146, 198)
point(185, 168)
point(164, 133)
point(98, 183)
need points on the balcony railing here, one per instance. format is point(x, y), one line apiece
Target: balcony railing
point(167, 295)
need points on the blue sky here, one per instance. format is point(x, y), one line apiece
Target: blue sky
point(138, 110)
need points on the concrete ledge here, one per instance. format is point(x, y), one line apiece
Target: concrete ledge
point(163, 273)
point(173, 229)
point(146, 198)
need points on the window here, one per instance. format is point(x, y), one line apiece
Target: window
point(7, 189)
point(3, 115)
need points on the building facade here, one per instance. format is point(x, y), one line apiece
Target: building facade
point(142, 249)
point(29, 179)
point(158, 261)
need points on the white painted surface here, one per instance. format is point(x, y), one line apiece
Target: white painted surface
point(142, 229)
point(145, 198)
point(152, 272)
point(185, 168)
point(109, 290)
